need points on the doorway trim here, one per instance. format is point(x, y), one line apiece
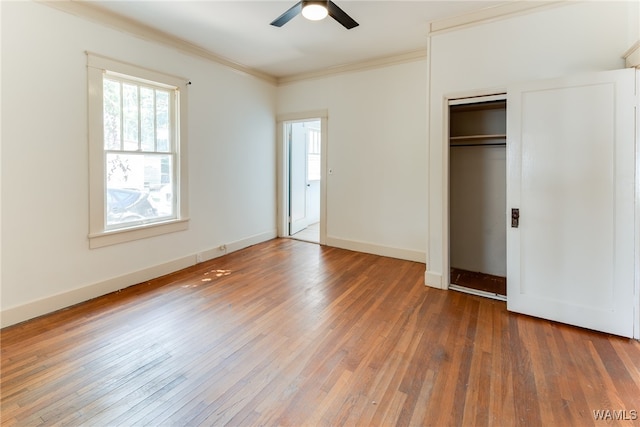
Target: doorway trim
point(282, 153)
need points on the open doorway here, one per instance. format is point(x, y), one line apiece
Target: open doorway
point(303, 143)
point(302, 173)
point(477, 196)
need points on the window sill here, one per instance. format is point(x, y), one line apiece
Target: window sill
point(107, 238)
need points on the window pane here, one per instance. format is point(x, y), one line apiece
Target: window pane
point(162, 193)
point(111, 114)
point(313, 170)
point(313, 156)
point(130, 119)
point(162, 121)
point(139, 188)
point(148, 118)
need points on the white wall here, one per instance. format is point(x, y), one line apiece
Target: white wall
point(477, 198)
point(46, 261)
point(573, 38)
point(376, 194)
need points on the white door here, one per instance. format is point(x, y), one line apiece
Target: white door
point(570, 172)
point(297, 178)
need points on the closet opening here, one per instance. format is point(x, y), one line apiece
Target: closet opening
point(477, 196)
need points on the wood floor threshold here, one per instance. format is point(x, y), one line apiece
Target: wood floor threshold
point(288, 333)
point(477, 292)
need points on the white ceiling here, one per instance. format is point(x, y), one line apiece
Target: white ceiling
point(239, 30)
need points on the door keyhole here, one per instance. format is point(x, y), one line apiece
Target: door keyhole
point(515, 218)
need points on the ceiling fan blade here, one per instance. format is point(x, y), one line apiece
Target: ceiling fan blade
point(340, 15)
point(288, 15)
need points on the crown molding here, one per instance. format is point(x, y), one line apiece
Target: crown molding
point(411, 56)
point(632, 56)
point(105, 17)
point(95, 13)
point(500, 11)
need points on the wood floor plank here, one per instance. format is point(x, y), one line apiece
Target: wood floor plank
point(291, 333)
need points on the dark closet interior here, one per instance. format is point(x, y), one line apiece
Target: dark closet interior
point(477, 195)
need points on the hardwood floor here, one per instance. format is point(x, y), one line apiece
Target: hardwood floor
point(291, 333)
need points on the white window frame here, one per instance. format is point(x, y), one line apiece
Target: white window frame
point(99, 234)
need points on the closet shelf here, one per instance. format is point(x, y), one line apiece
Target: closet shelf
point(477, 137)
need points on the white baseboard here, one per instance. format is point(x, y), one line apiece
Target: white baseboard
point(33, 309)
point(371, 248)
point(227, 248)
point(433, 279)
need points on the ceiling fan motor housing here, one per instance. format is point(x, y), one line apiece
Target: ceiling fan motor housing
point(315, 10)
point(322, 3)
point(329, 7)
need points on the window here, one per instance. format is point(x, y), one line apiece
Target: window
point(137, 152)
point(313, 154)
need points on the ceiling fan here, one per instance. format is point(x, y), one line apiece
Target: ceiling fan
point(315, 11)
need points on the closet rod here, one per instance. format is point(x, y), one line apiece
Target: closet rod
point(496, 144)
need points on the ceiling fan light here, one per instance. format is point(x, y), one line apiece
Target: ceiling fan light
point(314, 12)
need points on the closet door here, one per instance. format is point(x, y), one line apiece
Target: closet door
point(570, 172)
